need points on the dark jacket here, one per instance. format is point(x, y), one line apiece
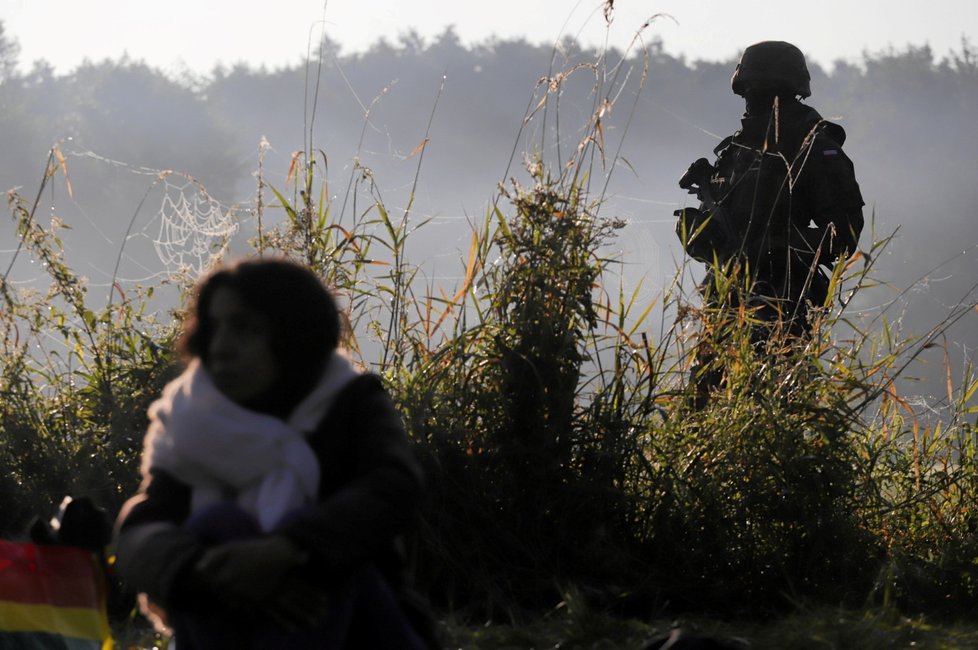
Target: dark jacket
point(783, 197)
point(369, 493)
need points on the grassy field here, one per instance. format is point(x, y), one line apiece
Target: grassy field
point(806, 630)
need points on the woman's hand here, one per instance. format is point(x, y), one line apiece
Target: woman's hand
point(247, 574)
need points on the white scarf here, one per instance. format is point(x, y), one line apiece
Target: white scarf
point(223, 450)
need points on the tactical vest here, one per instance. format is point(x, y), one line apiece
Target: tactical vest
point(777, 183)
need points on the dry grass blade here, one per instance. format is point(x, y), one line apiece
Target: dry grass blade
point(417, 149)
point(63, 165)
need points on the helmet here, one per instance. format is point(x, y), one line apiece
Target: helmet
point(773, 65)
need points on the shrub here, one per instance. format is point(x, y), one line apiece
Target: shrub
point(74, 386)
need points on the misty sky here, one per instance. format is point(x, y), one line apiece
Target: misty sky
point(196, 35)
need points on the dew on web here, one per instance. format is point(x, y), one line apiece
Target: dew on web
point(195, 228)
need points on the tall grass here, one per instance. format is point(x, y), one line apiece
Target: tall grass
point(75, 381)
point(557, 426)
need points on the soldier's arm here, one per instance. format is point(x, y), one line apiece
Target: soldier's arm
point(828, 183)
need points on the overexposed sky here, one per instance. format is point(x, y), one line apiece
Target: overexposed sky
point(197, 34)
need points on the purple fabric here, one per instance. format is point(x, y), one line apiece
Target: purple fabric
point(222, 522)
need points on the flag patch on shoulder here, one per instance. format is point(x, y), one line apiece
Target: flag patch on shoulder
point(830, 152)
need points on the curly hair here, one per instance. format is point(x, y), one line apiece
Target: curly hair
point(302, 316)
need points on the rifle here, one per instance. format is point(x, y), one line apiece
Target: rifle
point(702, 231)
point(696, 181)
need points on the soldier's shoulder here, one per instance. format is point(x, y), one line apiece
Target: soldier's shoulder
point(832, 132)
point(822, 128)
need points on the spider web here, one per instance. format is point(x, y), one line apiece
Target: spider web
point(195, 229)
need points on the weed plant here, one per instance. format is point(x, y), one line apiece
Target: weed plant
point(75, 381)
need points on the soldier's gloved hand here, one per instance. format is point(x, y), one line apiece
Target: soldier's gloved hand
point(690, 222)
point(246, 573)
point(689, 214)
point(695, 233)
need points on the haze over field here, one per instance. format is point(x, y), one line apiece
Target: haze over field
point(908, 111)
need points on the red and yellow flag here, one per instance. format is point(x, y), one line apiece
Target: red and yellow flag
point(51, 593)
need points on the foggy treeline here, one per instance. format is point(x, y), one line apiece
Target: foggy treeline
point(910, 119)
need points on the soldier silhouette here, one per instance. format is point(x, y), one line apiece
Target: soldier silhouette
point(779, 204)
